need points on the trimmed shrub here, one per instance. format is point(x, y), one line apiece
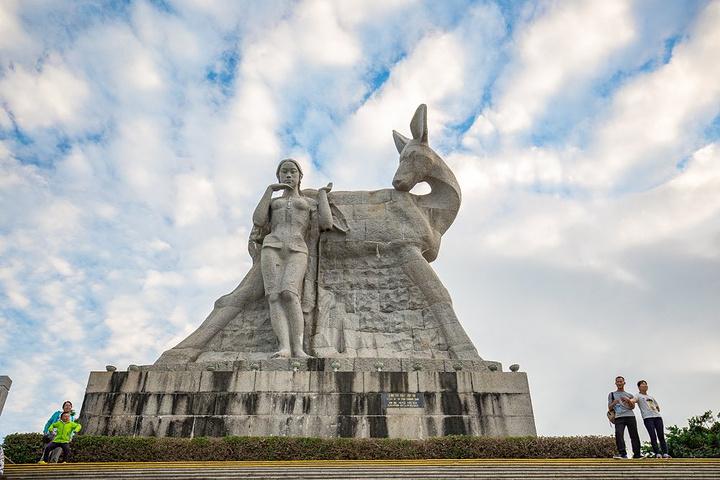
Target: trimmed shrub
point(700, 439)
point(27, 448)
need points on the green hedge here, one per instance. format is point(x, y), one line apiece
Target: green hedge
point(700, 439)
point(26, 448)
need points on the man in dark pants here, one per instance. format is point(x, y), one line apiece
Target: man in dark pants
point(621, 402)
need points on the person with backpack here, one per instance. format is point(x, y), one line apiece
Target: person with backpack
point(620, 412)
point(64, 432)
point(650, 411)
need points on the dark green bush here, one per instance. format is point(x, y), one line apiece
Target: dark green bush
point(26, 448)
point(700, 439)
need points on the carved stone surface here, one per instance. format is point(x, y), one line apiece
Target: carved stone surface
point(307, 403)
point(376, 317)
point(5, 383)
point(371, 291)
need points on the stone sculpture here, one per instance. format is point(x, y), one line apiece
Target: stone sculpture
point(346, 277)
point(369, 290)
point(285, 252)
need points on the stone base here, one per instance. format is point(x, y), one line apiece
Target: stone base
point(307, 403)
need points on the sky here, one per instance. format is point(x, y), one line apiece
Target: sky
point(136, 138)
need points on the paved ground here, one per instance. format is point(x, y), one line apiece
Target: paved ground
point(364, 469)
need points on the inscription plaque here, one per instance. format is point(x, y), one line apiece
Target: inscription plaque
point(403, 400)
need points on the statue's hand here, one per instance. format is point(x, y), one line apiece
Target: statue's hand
point(280, 186)
point(326, 188)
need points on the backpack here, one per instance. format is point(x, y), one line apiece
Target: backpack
point(611, 412)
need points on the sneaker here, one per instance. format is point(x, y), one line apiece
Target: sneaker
point(665, 455)
point(42, 462)
point(658, 456)
point(620, 457)
point(637, 457)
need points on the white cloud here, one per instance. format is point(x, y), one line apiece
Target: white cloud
point(14, 38)
point(53, 95)
point(568, 43)
point(652, 116)
point(329, 44)
point(195, 199)
point(432, 72)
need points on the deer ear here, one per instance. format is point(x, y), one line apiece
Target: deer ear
point(418, 124)
point(400, 141)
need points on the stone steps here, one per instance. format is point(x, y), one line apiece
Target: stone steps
point(366, 469)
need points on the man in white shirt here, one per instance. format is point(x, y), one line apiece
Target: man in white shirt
point(650, 410)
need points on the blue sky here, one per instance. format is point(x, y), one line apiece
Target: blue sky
point(136, 138)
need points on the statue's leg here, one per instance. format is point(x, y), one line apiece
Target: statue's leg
point(279, 322)
point(291, 285)
point(424, 277)
point(291, 302)
point(273, 267)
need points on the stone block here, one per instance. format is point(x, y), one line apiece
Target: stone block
point(118, 425)
point(364, 211)
point(99, 382)
point(426, 339)
point(465, 365)
point(203, 403)
point(98, 424)
point(172, 381)
point(336, 382)
point(96, 403)
point(371, 364)
point(343, 364)
point(240, 425)
point(275, 364)
point(500, 382)
point(390, 345)
point(227, 381)
point(380, 196)
point(279, 381)
point(340, 198)
point(169, 426)
point(423, 365)
point(445, 381)
point(396, 381)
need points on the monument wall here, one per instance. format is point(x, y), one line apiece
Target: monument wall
point(313, 401)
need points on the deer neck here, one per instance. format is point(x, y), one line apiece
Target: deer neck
point(444, 198)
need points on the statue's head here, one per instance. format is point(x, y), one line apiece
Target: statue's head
point(416, 156)
point(289, 171)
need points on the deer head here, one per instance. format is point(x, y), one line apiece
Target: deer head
point(416, 156)
point(420, 163)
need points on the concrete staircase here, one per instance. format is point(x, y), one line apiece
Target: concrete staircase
point(389, 469)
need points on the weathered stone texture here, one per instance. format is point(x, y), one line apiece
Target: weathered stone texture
point(305, 403)
point(5, 383)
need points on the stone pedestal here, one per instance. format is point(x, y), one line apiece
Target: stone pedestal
point(311, 398)
point(5, 384)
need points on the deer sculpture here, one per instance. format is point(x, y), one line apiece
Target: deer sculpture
point(392, 236)
point(419, 163)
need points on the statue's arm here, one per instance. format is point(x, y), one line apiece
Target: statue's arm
point(261, 216)
point(325, 221)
